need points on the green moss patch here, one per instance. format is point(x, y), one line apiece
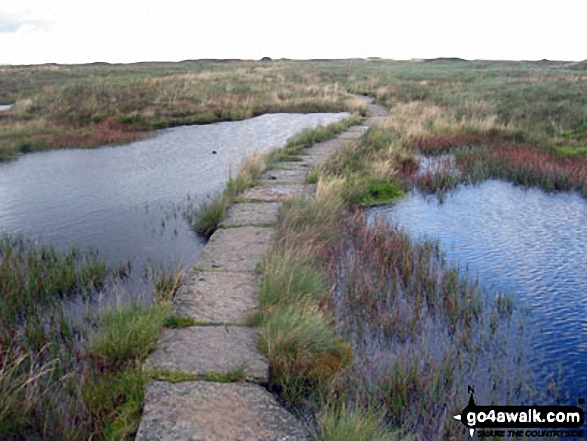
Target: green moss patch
point(382, 192)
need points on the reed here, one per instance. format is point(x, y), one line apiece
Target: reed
point(66, 379)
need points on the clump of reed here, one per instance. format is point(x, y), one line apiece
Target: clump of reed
point(64, 379)
point(340, 422)
point(419, 329)
point(34, 278)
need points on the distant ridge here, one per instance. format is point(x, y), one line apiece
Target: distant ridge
point(445, 59)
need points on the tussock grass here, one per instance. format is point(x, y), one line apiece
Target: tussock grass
point(113, 402)
point(302, 349)
point(340, 423)
point(208, 217)
point(127, 334)
point(291, 278)
point(166, 283)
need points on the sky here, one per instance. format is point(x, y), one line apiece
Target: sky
point(123, 31)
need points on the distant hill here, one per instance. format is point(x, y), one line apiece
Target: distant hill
point(445, 60)
point(579, 65)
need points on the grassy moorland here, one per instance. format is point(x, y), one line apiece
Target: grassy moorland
point(365, 328)
point(530, 115)
point(92, 105)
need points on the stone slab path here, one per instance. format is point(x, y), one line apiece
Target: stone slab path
point(220, 294)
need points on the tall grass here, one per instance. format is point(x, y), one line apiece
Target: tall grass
point(341, 423)
point(61, 379)
point(127, 334)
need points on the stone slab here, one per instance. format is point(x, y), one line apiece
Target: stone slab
point(278, 193)
point(293, 165)
point(350, 135)
point(200, 350)
point(203, 411)
point(377, 110)
point(277, 175)
point(219, 298)
point(326, 148)
point(235, 249)
point(251, 214)
point(360, 129)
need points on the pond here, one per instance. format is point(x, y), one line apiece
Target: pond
point(127, 200)
point(524, 242)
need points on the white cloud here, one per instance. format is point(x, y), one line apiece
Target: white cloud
point(72, 31)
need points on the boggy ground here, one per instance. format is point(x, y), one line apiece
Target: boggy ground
point(479, 110)
point(542, 103)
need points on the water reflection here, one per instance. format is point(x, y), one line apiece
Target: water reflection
point(127, 200)
point(524, 242)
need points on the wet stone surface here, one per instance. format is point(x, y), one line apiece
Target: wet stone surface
point(251, 214)
point(293, 165)
point(296, 176)
point(271, 193)
point(204, 411)
point(235, 249)
point(217, 298)
point(327, 148)
point(350, 135)
point(201, 350)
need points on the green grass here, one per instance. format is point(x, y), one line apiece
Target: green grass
point(303, 351)
point(127, 334)
point(382, 192)
point(177, 322)
point(210, 216)
point(571, 151)
point(291, 278)
point(340, 423)
point(114, 402)
point(172, 376)
point(233, 376)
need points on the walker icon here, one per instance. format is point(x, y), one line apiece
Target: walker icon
point(471, 406)
point(520, 417)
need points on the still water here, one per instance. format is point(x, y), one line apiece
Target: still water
point(524, 242)
point(127, 200)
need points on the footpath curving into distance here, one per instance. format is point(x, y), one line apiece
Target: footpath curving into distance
point(220, 293)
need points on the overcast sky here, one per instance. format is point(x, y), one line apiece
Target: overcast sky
point(81, 31)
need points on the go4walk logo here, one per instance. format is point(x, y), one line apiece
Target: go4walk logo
point(522, 421)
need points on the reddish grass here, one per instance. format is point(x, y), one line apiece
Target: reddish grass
point(525, 164)
point(436, 145)
point(97, 134)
